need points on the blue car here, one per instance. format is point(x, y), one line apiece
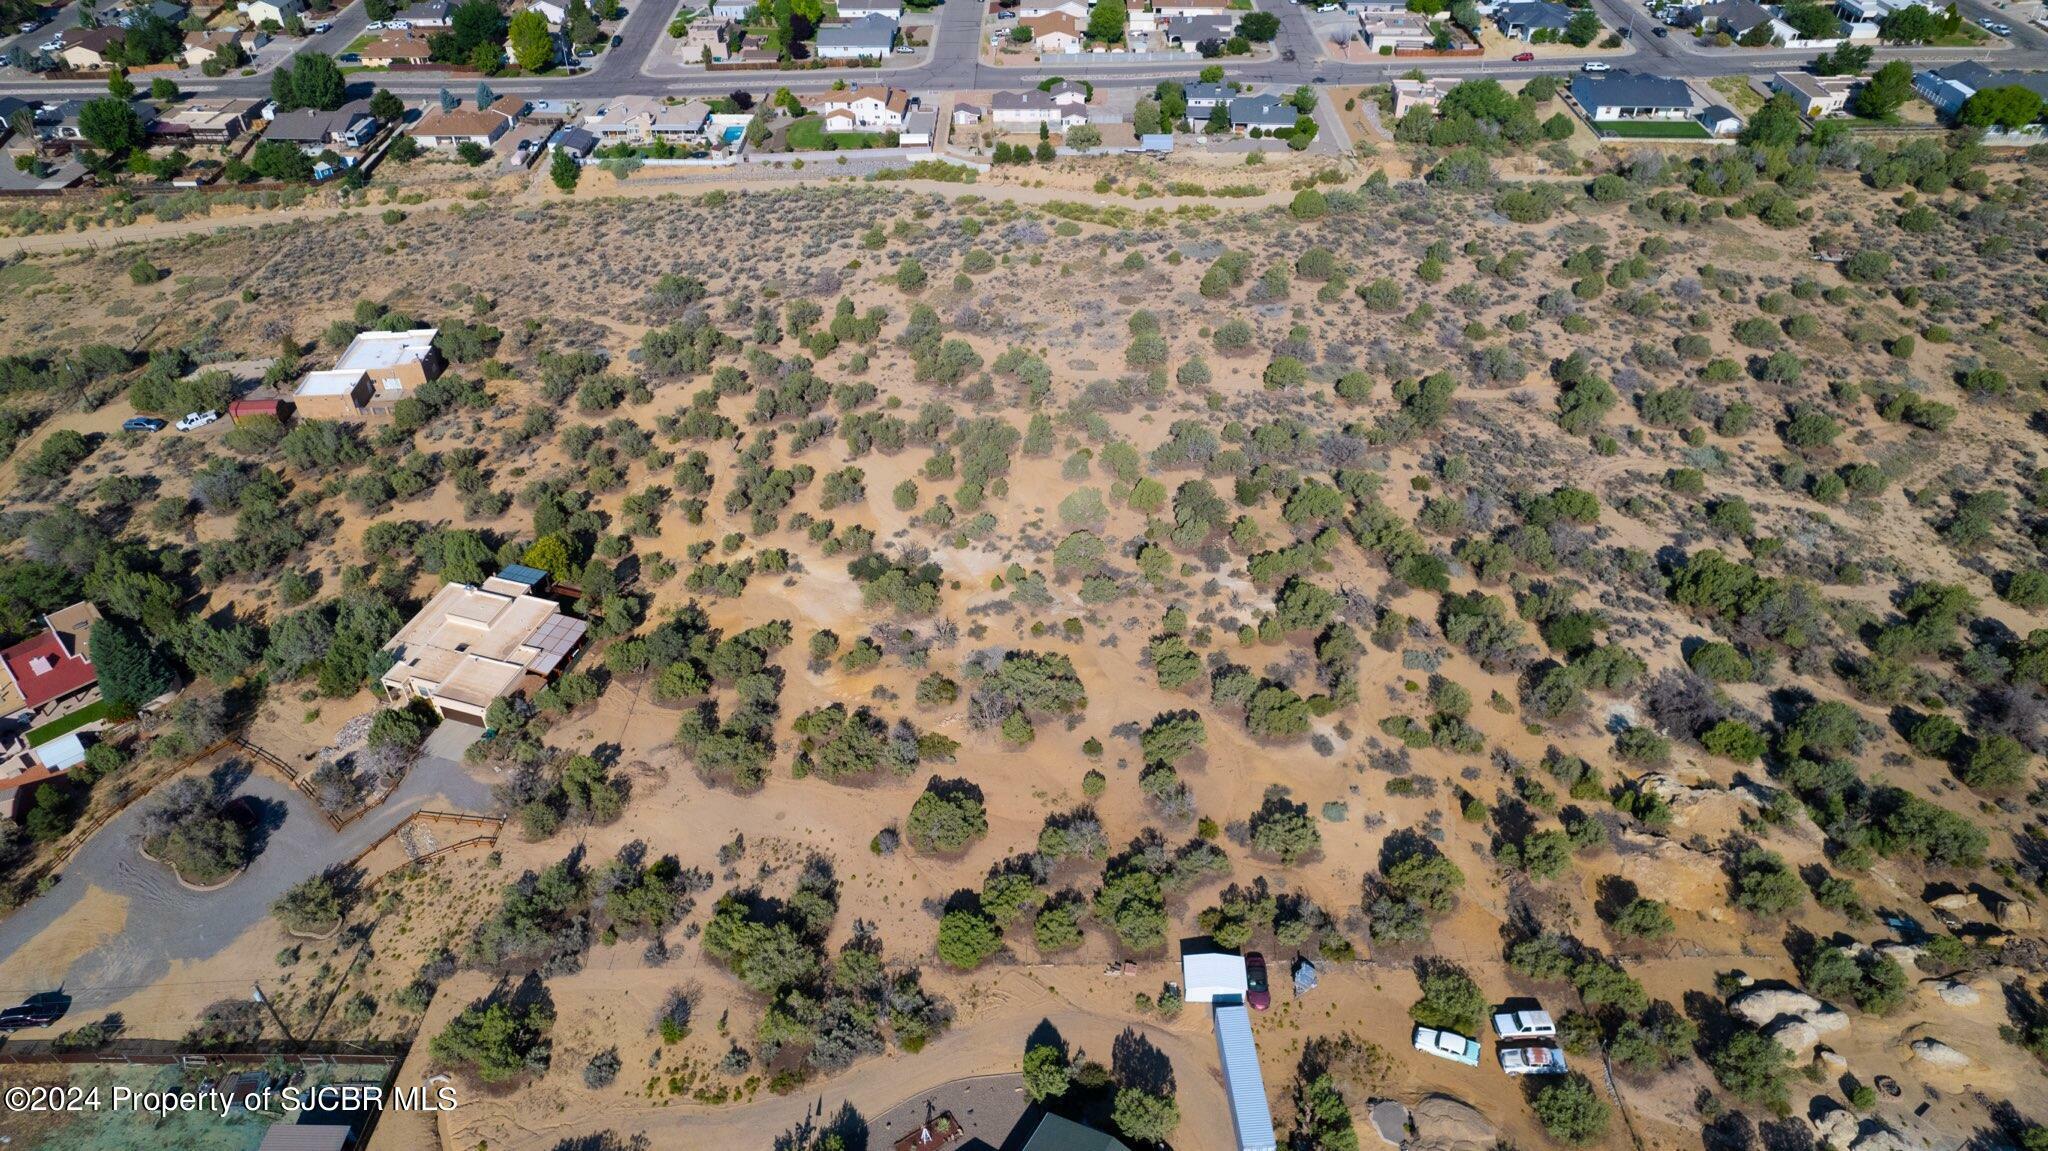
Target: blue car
point(142, 424)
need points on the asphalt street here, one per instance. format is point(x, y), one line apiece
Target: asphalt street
point(953, 63)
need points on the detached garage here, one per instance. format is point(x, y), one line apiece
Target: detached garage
point(1213, 977)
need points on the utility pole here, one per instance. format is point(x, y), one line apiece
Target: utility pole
point(258, 995)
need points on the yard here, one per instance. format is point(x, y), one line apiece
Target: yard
point(809, 135)
point(1739, 92)
point(90, 713)
point(1653, 129)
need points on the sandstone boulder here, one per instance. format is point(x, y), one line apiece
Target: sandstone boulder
point(1446, 1124)
point(1939, 1054)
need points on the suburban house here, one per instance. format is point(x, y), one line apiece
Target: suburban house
point(211, 121)
point(554, 12)
point(61, 122)
point(85, 49)
point(1522, 19)
point(481, 126)
point(1055, 32)
point(429, 14)
point(1169, 8)
point(873, 108)
point(1033, 9)
point(203, 46)
point(1263, 112)
point(964, 114)
point(1624, 95)
point(1734, 17)
point(471, 646)
point(315, 131)
point(870, 37)
point(1817, 96)
point(1397, 30)
point(375, 371)
point(1188, 32)
point(706, 33)
point(1421, 93)
point(261, 12)
point(1949, 86)
point(404, 48)
point(1203, 98)
point(51, 671)
point(645, 119)
point(1026, 110)
point(731, 9)
point(855, 9)
point(1873, 11)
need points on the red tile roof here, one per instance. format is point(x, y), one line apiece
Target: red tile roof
point(44, 671)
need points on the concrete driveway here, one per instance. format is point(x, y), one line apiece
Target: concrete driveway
point(168, 925)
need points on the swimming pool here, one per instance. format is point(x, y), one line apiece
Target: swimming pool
point(733, 132)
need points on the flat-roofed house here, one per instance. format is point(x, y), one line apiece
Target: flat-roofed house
point(1817, 96)
point(471, 646)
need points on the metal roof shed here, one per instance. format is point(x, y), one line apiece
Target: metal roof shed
point(1249, 1113)
point(1211, 977)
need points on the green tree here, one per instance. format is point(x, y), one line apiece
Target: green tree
point(1139, 1114)
point(1106, 21)
point(967, 938)
point(111, 125)
point(1885, 91)
point(564, 170)
point(1572, 1111)
point(1045, 1072)
point(533, 47)
point(131, 672)
point(2009, 108)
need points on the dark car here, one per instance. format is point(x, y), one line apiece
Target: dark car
point(1660, 32)
point(1255, 990)
point(142, 424)
point(618, 40)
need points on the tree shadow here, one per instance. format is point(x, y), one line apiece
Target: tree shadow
point(1136, 1062)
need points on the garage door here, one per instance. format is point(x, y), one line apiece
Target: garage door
point(461, 716)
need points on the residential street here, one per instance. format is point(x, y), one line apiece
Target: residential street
point(953, 65)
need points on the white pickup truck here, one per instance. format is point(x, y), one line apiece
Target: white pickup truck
point(1524, 1025)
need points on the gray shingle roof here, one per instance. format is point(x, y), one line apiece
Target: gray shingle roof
point(1630, 90)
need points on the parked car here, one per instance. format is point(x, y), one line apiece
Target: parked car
point(1256, 994)
point(16, 1018)
point(1524, 57)
point(1006, 15)
point(1595, 66)
point(1524, 1025)
point(349, 58)
point(322, 28)
point(1660, 31)
point(618, 40)
point(194, 420)
point(375, 25)
point(1540, 1059)
point(1326, 7)
point(1447, 1045)
point(142, 424)
point(585, 53)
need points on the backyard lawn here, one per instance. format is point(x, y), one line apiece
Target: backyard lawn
point(1655, 129)
point(39, 736)
point(809, 135)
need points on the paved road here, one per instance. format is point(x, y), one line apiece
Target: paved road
point(168, 924)
point(953, 64)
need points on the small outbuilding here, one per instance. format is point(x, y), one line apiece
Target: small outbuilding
point(1212, 977)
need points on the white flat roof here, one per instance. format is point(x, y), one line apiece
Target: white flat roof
point(331, 382)
point(372, 350)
